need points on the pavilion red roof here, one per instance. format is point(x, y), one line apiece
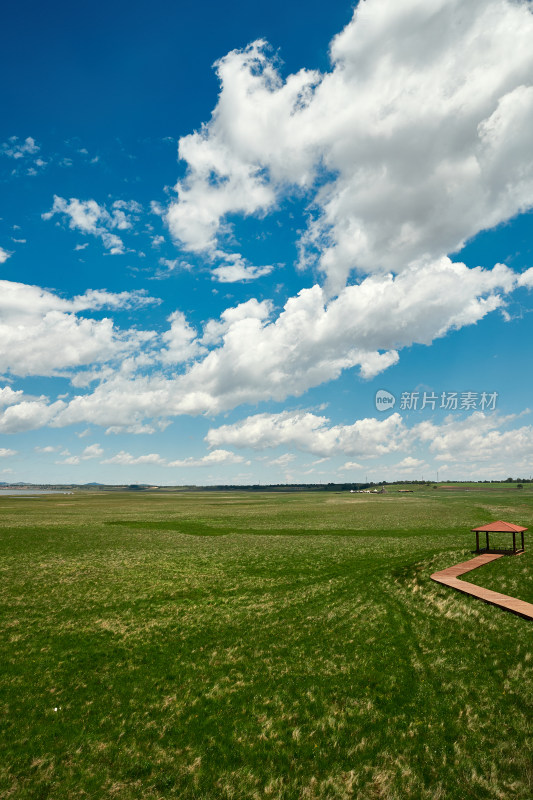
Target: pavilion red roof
point(501, 526)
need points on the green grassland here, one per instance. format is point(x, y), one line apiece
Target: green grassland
point(283, 646)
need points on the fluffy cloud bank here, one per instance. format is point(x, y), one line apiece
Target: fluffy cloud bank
point(311, 341)
point(312, 434)
point(249, 354)
point(43, 334)
point(479, 440)
point(416, 139)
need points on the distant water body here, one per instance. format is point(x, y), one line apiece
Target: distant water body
point(26, 492)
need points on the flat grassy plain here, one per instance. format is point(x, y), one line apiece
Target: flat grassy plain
point(285, 646)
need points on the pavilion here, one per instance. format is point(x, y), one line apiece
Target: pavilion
point(500, 527)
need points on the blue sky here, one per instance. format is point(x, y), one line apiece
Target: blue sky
point(224, 228)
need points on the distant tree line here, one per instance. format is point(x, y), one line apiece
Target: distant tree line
point(271, 487)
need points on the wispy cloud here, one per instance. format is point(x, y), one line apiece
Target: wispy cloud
point(127, 459)
point(15, 148)
point(4, 255)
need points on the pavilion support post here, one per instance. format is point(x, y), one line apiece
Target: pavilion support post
point(477, 541)
point(487, 538)
point(514, 543)
point(523, 547)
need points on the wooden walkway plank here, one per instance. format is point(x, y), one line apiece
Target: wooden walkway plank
point(449, 577)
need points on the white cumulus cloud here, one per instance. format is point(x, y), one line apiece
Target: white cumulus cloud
point(350, 465)
point(9, 396)
point(238, 270)
point(43, 334)
point(92, 451)
point(310, 342)
point(180, 340)
point(126, 459)
point(28, 415)
point(312, 434)
point(478, 438)
point(91, 218)
point(214, 458)
point(409, 464)
point(283, 460)
point(417, 138)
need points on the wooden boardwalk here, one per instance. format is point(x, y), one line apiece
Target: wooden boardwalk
point(450, 577)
